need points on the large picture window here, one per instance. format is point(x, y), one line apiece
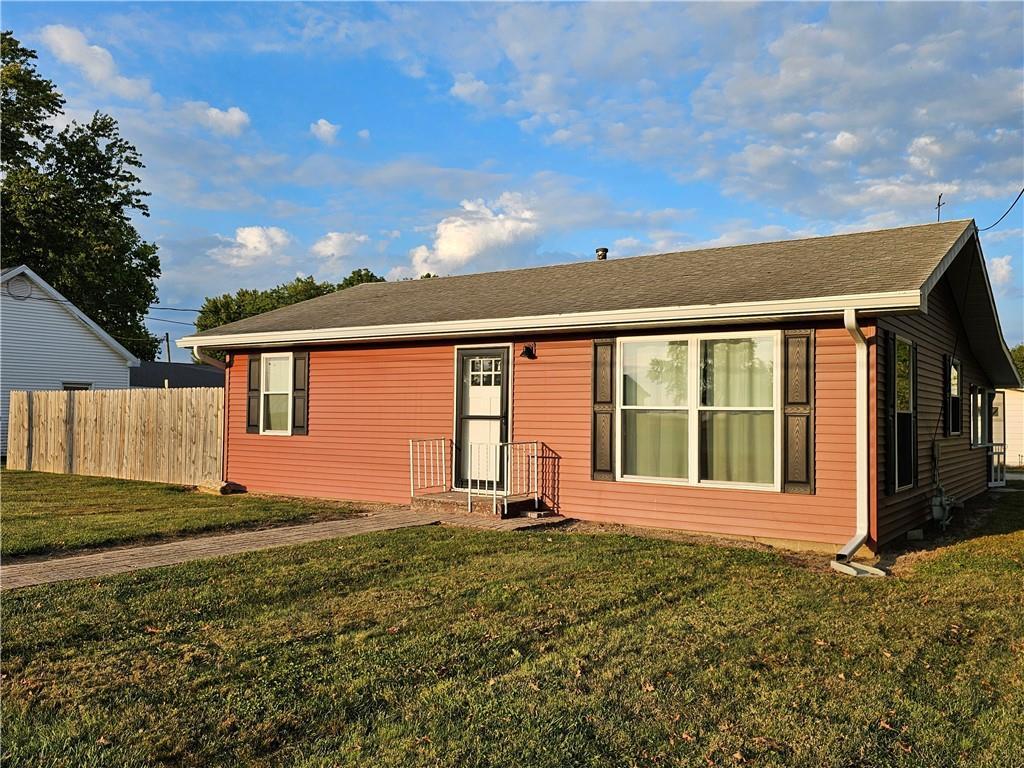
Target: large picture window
point(700, 409)
point(276, 394)
point(905, 457)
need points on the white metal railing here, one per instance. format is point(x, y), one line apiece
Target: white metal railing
point(429, 465)
point(501, 470)
point(997, 454)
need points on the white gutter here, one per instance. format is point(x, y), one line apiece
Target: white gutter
point(205, 358)
point(758, 311)
point(842, 562)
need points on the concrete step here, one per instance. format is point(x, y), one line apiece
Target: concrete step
point(454, 502)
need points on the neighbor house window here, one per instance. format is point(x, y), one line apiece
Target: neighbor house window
point(699, 409)
point(954, 402)
point(76, 386)
point(905, 458)
point(276, 394)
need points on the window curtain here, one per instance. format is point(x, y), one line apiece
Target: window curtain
point(738, 446)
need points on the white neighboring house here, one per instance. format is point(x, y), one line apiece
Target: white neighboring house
point(1014, 420)
point(46, 342)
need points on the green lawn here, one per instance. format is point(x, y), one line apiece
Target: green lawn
point(42, 513)
point(449, 647)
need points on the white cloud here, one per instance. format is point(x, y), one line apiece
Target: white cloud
point(226, 122)
point(253, 246)
point(324, 130)
point(846, 142)
point(923, 153)
point(478, 228)
point(334, 247)
point(70, 46)
point(469, 89)
point(364, 134)
point(1000, 270)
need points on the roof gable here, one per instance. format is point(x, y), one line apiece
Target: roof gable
point(54, 295)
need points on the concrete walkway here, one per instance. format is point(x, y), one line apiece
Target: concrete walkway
point(107, 562)
point(110, 561)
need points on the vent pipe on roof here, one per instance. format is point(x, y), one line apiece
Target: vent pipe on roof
point(602, 254)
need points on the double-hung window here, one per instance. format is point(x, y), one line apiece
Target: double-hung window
point(905, 443)
point(737, 410)
point(655, 409)
point(276, 393)
point(701, 409)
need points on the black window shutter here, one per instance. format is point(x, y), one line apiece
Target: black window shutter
point(252, 403)
point(603, 425)
point(889, 359)
point(798, 414)
point(914, 419)
point(300, 392)
point(947, 405)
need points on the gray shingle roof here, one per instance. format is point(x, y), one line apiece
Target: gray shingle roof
point(860, 263)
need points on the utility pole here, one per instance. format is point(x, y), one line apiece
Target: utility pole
point(167, 341)
point(938, 208)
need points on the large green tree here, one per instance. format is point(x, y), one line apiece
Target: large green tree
point(246, 302)
point(1017, 353)
point(68, 199)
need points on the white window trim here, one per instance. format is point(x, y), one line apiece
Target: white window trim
point(694, 408)
point(912, 412)
point(290, 356)
point(509, 374)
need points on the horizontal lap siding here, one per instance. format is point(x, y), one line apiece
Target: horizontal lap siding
point(365, 403)
point(961, 468)
point(552, 403)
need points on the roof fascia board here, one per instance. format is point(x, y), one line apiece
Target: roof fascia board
point(970, 231)
point(894, 301)
point(992, 308)
point(75, 312)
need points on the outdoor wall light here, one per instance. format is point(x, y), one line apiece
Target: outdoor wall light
point(529, 351)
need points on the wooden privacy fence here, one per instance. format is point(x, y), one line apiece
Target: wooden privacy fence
point(162, 435)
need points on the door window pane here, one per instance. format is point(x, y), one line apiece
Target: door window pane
point(737, 446)
point(275, 412)
point(655, 443)
point(738, 372)
point(654, 373)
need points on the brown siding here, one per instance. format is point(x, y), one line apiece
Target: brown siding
point(961, 469)
point(366, 402)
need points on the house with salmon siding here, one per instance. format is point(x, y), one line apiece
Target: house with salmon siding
point(832, 392)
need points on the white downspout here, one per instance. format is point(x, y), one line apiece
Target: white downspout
point(863, 508)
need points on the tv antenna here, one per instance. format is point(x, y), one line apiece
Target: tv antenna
point(938, 208)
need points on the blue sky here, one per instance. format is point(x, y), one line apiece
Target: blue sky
point(286, 139)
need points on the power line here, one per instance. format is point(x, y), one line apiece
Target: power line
point(1007, 211)
point(150, 306)
point(164, 320)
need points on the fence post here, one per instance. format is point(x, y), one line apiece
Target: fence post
point(69, 433)
point(28, 430)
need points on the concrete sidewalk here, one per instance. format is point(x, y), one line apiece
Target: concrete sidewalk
point(121, 560)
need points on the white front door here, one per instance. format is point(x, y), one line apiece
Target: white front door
point(482, 416)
